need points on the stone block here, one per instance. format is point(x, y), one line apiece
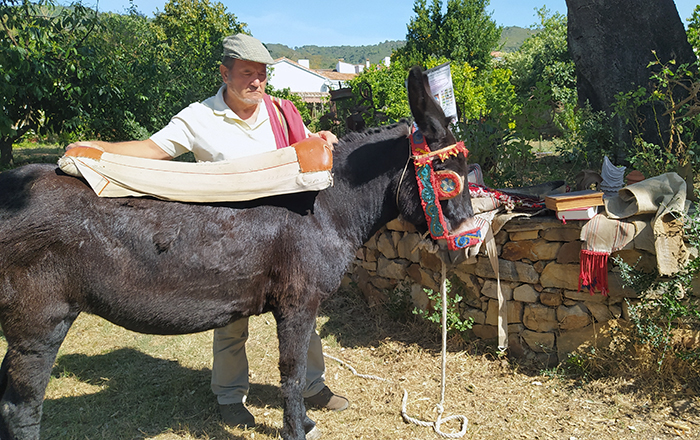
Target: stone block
point(369, 265)
point(407, 249)
point(515, 346)
point(544, 250)
point(539, 266)
point(515, 312)
point(516, 328)
point(524, 235)
point(396, 237)
point(570, 252)
point(372, 242)
point(399, 224)
point(419, 297)
point(528, 224)
point(371, 255)
point(540, 318)
point(385, 245)
point(561, 234)
point(574, 317)
point(617, 291)
point(430, 261)
point(539, 342)
point(490, 289)
point(372, 295)
point(615, 311)
point(414, 273)
point(466, 267)
point(478, 316)
point(485, 332)
point(384, 283)
point(525, 293)
point(422, 277)
point(591, 336)
point(643, 261)
point(600, 312)
point(509, 271)
point(564, 276)
point(395, 269)
point(470, 289)
point(501, 238)
point(585, 295)
point(517, 250)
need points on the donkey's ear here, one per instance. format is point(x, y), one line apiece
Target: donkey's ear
point(425, 110)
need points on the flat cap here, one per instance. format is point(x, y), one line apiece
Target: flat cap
point(245, 47)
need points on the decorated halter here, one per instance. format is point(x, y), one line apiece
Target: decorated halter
point(434, 186)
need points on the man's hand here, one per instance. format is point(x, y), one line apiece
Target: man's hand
point(327, 136)
point(88, 144)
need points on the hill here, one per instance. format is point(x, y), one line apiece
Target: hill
point(512, 37)
point(326, 57)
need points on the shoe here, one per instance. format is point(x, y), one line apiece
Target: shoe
point(314, 434)
point(325, 399)
point(236, 415)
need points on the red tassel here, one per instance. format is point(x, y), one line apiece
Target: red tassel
point(594, 271)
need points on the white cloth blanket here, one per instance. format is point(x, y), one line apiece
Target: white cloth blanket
point(663, 200)
point(282, 171)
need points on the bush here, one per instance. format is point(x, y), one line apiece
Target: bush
point(671, 144)
point(659, 345)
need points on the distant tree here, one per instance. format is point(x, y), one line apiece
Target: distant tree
point(544, 77)
point(464, 33)
point(544, 57)
point(469, 33)
point(192, 32)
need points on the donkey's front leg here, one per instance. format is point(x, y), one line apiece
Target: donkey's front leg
point(293, 332)
point(24, 375)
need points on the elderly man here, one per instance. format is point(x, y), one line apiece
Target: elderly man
point(240, 120)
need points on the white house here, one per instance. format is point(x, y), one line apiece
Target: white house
point(310, 84)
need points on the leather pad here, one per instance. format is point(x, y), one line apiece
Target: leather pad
point(314, 155)
point(89, 152)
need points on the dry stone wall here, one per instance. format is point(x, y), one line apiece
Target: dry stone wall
point(548, 316)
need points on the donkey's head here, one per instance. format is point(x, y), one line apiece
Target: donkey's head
point(440, 181)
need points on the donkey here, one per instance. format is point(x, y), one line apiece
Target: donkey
point(173, 268)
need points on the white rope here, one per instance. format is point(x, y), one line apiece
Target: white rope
point(437, 423)
point(349, 367)
point(440, 406)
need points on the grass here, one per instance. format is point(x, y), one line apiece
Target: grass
point(36, 151)
point(110, 383)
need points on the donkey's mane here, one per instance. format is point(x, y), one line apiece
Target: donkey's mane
point(372, 135)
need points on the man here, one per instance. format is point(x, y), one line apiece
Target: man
point(240, 120)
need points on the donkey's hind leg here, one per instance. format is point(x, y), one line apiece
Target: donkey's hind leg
point(24, 375)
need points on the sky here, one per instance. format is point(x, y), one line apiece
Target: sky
point(352, 23)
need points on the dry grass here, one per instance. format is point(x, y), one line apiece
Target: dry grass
point(109, 383)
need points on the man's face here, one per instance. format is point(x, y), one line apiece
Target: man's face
point(245, 81)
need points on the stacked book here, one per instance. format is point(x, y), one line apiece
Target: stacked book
point(575, 205)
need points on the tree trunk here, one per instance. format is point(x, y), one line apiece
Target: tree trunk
point(612, 42)
point(6, 151)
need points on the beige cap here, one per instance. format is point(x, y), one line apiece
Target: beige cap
point(245, 47)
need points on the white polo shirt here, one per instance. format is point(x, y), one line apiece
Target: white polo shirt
point(214, 132)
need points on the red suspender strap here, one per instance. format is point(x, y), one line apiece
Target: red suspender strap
point(287, 125)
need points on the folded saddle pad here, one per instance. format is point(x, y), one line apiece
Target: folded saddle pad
point(304, 166)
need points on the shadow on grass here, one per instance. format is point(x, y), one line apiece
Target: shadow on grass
point(139, 396)
point(354, 323)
